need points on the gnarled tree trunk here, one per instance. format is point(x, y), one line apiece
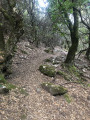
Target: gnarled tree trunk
point(72, 49)
point(74, 38)
point(88, 50)
point(2, 43)
point(14, 24)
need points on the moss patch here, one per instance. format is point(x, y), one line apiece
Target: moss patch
point(24, 52)
point(67, 97)
point(2, 79)
point(65, 75)
point(71, 73)
point(54, 89)
point(73, 70)
point(88, 85)
point(48, 60)
point(47, 70)
point(56, 62)
point(22, 91)
point(49, 50)
point(5, 87)
point(52, 60)
point(23, 117)
point(10, 86)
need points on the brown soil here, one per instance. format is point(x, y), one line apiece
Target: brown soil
point(39, 104)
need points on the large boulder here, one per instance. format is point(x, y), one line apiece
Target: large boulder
point(54, 89)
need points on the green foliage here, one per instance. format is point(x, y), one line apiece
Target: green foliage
point(25, 13)
point(86, 1)
point(58, 9)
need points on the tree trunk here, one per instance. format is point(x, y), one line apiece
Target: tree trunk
point(2, 43)
point(74, 38)
point(2, 48)
point(72, 49)
point(88, 50)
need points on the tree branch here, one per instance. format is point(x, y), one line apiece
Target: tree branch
point(88, 27)
point(70, 26)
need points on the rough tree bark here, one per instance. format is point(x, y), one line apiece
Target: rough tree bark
point(88, 50)
point(74, 37)
point(15, 28)
point(2, 42)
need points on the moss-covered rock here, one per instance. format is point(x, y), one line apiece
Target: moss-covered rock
point(3, 89)
point(54, 89)
point(47, 70)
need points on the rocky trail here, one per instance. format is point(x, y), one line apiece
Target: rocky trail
point(28, 101)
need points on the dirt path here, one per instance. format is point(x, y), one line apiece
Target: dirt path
point(38, 104)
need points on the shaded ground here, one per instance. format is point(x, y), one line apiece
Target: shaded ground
point(39, 104)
